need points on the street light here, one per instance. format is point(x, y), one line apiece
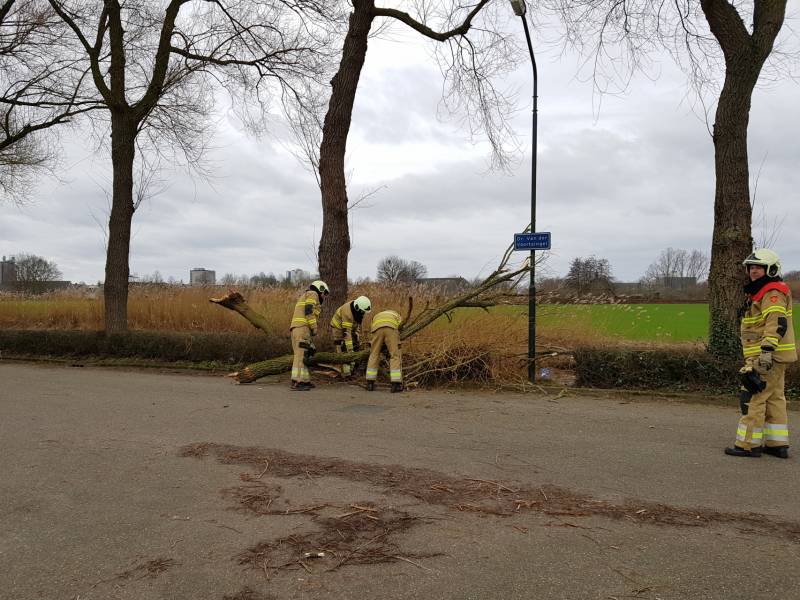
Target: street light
point(519, 9)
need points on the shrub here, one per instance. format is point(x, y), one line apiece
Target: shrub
point(670, 369)
point(233, 348)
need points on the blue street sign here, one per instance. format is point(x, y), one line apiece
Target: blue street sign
point(532, 241)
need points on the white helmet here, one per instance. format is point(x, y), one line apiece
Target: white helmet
point(363, 304)
point(320, 286)
point(766, 258)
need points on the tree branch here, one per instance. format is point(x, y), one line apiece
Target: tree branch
point(91, 52)
point(424, 29)
point(475, 297)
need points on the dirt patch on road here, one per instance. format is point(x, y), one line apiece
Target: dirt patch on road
point(480, 495)
point(364, 537)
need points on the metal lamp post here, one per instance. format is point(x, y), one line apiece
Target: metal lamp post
point(519, 9)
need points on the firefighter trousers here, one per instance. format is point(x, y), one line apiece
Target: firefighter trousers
point(299, 368)
point(386, 336)
point(343, 342)
point(766, 422)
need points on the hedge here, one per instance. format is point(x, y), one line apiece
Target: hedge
point(668, 370)
point(232, 348)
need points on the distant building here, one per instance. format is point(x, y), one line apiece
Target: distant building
point(297, 276)
point(200, 276)
point(8, 271)
point(678, 283)
point(448, 285)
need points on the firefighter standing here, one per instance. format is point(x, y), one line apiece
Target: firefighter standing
point(385, 331)
point(346, 324)
point(768, 345)
point(303, 327)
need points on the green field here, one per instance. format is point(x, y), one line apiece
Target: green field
point(639, 322)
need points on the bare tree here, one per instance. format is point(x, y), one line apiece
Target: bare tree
point(152, 69)
point(32, 271)
point(707, 38)
point(674, 262)
point(39, 89)
point(394, 269)
point(697, 263)
point(390, 269)
point(472, 49)
point(589, 274)
point(791, 276)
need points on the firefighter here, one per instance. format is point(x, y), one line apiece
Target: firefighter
point(385, 331)
point(304, 327)
point(768, 345)
point(346, 324)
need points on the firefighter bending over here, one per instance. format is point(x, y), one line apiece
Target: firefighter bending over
point(346, 324)
point(303, 328)
point(385, 331)
point(768, 344)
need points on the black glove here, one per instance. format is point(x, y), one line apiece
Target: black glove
point(751, 381)
point(356, 342)
point(308, 346)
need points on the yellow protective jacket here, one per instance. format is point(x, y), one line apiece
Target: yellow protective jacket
point(306, 311)
point(345, 324)
point(767, 323)
point(386, 318)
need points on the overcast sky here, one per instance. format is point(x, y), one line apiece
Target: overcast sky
point(621, 182)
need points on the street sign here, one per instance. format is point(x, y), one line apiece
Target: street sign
point(532, 241)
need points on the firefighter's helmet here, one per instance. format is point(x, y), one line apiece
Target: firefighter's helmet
point(766, 258)
point(320, 287)
point(362, 304)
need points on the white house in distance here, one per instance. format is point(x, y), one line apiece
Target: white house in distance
point(201, 276)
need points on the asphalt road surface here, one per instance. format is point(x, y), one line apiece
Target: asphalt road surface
point(142, 485)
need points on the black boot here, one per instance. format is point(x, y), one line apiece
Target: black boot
point(736, 451)
point(370, 386)
point(396, 387)
point(779, 451)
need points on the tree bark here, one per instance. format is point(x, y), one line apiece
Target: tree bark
point(334, 244)
point(115, 288)
point(732, 240)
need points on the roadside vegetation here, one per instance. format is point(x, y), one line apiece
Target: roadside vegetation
point(601, 345)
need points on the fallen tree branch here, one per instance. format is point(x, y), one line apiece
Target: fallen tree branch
point(478, 297)
point(236, 302)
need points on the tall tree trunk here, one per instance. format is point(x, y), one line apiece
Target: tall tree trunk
point(334, 245)
point(732, 241)
point(115, 288)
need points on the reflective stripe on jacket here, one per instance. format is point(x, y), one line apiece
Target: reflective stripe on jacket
point(386, 318)
point(767, 323)
point(343, 318)
point(345, 325)
point(306, 311)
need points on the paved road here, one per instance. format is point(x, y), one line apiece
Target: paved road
point(98, 500)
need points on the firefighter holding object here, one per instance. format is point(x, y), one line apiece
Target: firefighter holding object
point(303, 328)
point(385, 332)
point(767, 334)
point(346, 324)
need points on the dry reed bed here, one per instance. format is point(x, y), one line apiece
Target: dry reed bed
point(478, 346)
